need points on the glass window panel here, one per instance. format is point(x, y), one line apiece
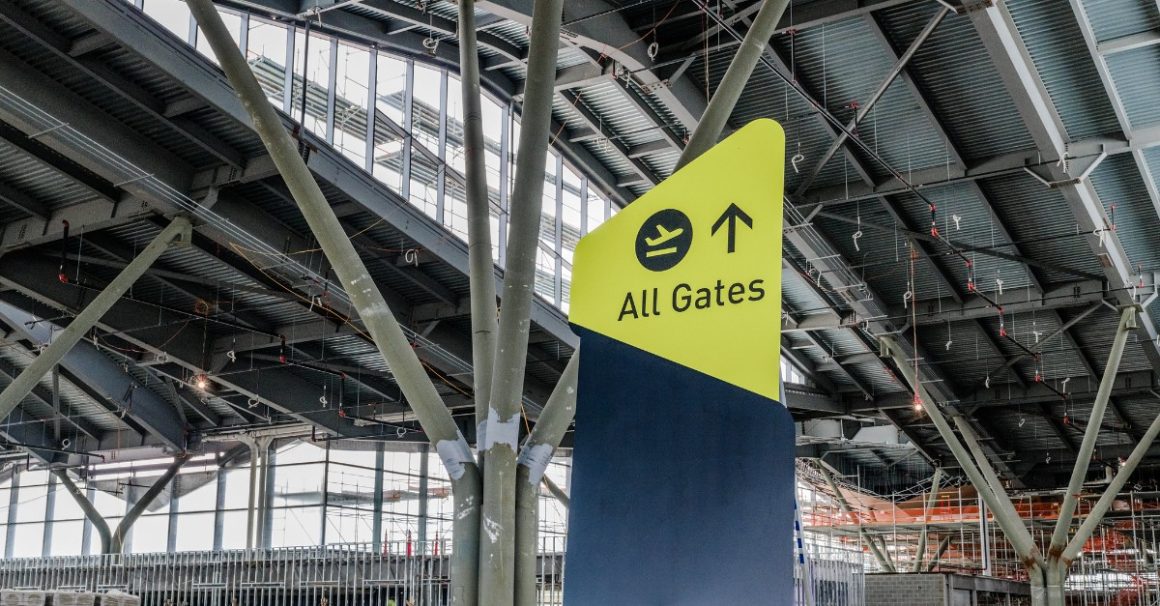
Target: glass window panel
point(151, 533)
point(359, 458)
point(201, 495)
point(32, 496)
point(233, 530)
point(173, 14)
point(296, 526)
point(108, 505)
point(266, 53)
point(299, 484)
point(233, 24)
point(566, 285)
point(301, 452)
point(237, 488)
point(595, 208)
point(65, 507)
point(550, 165)
point(390, 87)
point(314, 62)
point(571, 221)
point(67, 537)
point(390, 92)
point(455, 145)
point(455, 207)
point(571, 179)
point(388, 166)
point(425, 114)
point(424, 183)
point(491, 157)
point(28, 540)
point(546, 275)
point(350, 486)
point(349, 525)
point(492, 121)
point(350, 103)
point(195, 531)
point(553, 515)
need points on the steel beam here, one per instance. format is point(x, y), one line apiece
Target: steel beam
point(804, 16)
point(62, 342)
point(1020, 77)
point(1128, 43)
point(274, 387)
point(140, 98)
point(604, 30)
point(45, 397)
point(1127, 385)
point(1139, 139)
point(1091, 434)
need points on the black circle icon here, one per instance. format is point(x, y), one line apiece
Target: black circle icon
point(664, 239)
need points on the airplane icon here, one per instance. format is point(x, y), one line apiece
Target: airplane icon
point(663, 235)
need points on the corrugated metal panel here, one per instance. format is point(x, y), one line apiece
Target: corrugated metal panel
point(1138, 81)
point(961, 85)
point(767, 96)
point(16, 358)
point(46, 185)
point(1117, 18)
point(976, 227)
point(1118, 181)
point(798, 295)
point(882, 258)
point(1029, 429)
point(843, 64)
point(1053, 38)
point(1042, 224)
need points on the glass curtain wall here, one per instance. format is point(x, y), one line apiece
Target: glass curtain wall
point(402, 121)
point(318, 494)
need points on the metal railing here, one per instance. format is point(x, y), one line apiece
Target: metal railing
point(407, 573)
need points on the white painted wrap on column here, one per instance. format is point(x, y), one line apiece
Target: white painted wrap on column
point(455, 454)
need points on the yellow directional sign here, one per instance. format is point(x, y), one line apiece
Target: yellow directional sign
point(691, 271)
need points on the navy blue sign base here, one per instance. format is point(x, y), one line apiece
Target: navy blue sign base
point(682, 486)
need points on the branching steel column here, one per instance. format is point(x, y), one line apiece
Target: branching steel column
point(535, 455)
point(1016, 533)
point(384, 329)
point(95, 518)
point(118, 542)
point(1005, 512)
point(1095, 420)
point(1096, 515)
point(497, 527)
point(721, 105)
point(931, 500)
point(69, 336)
point(557, 491)
point(479, 260)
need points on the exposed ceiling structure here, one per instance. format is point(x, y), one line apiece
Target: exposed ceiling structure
point(1032, 155)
